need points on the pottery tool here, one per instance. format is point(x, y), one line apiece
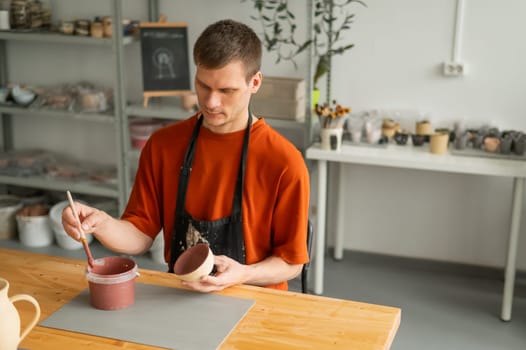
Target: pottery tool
point(82, 234)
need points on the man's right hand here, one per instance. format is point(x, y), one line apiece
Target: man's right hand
point(120, 236)
point(91, 219)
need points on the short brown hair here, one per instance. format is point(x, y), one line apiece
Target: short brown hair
point(226, 41)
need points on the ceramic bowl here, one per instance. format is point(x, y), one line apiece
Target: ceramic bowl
point(418, 140)
point(491, 144)
point(401, 137)
point(23, 96)
point(194, 263)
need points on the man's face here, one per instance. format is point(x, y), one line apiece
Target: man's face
point(224, 95)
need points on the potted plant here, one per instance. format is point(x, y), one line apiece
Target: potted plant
point(331, 19)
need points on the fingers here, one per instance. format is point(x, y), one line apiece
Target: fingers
point(205, 285)
point(88, 217)
point(221, 263)
point(227, 274)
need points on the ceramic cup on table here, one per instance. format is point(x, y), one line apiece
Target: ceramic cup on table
point(401, 137)
point(519, 144)
point(194, 263)
point(438, 143)
point(423, 128)
point(331, 139)
point(461, 141)
point(418, 140)
point(491, 144)
point(505, 144)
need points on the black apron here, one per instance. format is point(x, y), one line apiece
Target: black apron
point(225, 235)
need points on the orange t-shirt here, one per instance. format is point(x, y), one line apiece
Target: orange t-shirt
point(275, 198)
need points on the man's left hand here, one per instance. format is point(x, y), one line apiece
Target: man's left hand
point(228, 273)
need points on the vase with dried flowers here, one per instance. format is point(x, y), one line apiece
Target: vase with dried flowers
point(331, 120)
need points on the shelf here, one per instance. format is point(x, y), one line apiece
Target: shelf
point(49, 37)
point(172, 111)
point(47, 183)
point(134, 154)
point(95, 117)
point(285, 124)
point(419, 158)
point(158, 110)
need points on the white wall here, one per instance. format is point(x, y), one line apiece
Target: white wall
point(395, 65)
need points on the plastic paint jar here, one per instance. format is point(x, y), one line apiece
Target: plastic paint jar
point(112, 282)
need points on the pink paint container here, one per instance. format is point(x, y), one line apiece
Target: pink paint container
point(112, 283)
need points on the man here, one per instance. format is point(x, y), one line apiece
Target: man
point(223, 177)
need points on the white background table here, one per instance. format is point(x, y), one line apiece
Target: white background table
point(411, 157)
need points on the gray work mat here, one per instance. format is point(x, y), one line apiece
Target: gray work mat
point(161, 316)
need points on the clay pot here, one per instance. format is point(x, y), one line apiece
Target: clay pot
point(401, 137)
point(97, 30)
point(505, 144)
point(112, 283)
point(194, 263)
point(418, 140)
point(423, 128)
point(491, 144)
point(107, 27)
point(519, 144)
point(461, 141)
point(389, 128)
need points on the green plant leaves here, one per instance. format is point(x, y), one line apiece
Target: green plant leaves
point(331, 19)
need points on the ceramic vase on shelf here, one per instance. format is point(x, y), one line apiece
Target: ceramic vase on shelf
point(331, 138)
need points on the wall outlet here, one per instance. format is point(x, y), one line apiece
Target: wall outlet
point(454, 69)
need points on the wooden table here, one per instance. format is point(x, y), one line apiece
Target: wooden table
point(278, 320)
point(410, 157)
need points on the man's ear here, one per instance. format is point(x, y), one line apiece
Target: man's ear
point(255, 82)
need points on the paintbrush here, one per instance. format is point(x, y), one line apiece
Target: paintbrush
point(82, 235)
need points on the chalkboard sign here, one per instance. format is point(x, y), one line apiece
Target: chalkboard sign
point(165, 62)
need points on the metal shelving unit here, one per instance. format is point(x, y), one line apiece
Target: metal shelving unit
point(105, 190)
point(50, 37)
point(116, 45)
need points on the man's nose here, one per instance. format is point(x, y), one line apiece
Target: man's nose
point(212, 101)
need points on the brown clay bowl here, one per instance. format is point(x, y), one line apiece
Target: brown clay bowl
point(194, 263)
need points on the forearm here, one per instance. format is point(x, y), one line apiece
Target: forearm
point(121, 236)
point(270, 271)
